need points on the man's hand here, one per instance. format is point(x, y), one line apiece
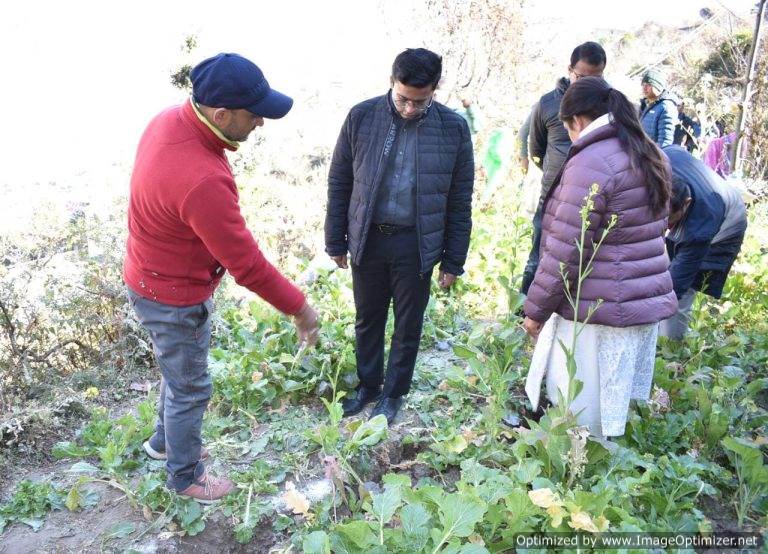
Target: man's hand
point(533, 328)
point(307, 327)
point(445, 280)
point(524, 165)
point(341, 261)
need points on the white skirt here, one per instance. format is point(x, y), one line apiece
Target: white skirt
point(614, 363)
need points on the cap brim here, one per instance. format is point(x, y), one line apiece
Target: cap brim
point(273, 106)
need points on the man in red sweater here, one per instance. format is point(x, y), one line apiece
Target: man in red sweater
point(185, 230)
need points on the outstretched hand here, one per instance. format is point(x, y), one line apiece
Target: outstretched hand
point(307, 325)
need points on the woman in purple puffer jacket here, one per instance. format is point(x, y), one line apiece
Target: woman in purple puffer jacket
point(629, 282)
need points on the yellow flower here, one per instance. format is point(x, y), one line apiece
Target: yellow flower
point(91, 392)
point(582, 521)
point(544, 498)
point(556, 513)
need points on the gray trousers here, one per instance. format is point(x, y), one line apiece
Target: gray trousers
point(676, 326)
point(181, 336)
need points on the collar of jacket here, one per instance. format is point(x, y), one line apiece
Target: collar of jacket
point(562, 85)
point(603, 120)
point(210, 134)
point(601, 133)
point(665, 96)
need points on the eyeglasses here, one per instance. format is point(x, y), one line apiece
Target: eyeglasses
point(577, 76)
point(417, 105)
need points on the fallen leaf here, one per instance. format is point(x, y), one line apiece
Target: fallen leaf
point(256, 376)
point(544, 498)
point(294, 500)
point(582, 521)
point(476, 539)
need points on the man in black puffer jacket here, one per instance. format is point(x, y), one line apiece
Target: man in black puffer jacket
point(549, 142)
point(399, 202)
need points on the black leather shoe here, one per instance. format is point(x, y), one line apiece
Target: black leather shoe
point(356, 403)
point(389, 407)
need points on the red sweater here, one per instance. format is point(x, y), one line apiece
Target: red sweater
point(184, 222)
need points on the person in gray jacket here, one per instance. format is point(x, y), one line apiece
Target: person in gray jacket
point(548, 139)
point(399, 203)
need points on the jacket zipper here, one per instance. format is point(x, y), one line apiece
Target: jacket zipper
point(418, 226)
point(374, 190)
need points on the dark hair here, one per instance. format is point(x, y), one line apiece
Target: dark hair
point(417, 67)
point(680, 193)
point(589, 52)
point(593, 97)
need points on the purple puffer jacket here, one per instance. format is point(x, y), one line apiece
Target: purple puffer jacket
point(630, 269)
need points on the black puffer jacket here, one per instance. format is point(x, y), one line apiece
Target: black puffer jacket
point(444, 180)
point(548, 140)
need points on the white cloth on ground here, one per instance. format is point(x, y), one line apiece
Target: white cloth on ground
point(615, 364)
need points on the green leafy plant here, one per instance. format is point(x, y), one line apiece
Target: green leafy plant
point(246, 507)
point(751, 475)
point(30, 504)
point(116, 443)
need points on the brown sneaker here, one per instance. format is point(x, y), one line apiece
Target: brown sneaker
point(208, 489)
point(157, 455)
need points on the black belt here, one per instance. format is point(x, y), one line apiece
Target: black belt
point(387, 229)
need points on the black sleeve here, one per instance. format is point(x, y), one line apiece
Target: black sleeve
point(340, 180)
point(538, 136)
point(458, 225)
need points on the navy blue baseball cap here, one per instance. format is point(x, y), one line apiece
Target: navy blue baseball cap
point(231, 81)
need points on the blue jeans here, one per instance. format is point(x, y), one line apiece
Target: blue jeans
point(676, 326)
point(533, 257)
point(181, 336)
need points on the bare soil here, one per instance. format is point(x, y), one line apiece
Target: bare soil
point(85, 531)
